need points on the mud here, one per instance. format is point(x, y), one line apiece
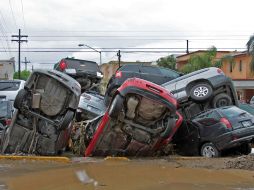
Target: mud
point(108, 174)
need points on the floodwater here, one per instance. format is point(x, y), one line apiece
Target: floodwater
point(124, 174)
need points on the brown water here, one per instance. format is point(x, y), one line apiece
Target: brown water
point(117, 174)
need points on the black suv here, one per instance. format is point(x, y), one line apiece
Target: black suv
point(87, 73)
point(157, 75)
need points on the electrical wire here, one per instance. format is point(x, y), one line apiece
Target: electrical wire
point(15, 22)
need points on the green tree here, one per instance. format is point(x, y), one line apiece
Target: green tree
point(250, 49)
point(204, 60)
point(168, 62)
point(23, 75)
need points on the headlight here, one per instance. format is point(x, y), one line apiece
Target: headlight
point(99, 74)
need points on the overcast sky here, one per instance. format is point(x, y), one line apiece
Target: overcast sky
point(60, 25)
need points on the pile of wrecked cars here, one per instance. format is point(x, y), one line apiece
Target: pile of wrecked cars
point(140, 118)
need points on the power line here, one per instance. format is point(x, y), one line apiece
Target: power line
point(22, 7)
point(13, 14)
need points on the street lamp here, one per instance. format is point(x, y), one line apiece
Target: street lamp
point(82, 45)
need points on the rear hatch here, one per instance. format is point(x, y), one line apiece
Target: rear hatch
point(92, 102)
point(242, 122)
point(79, 67)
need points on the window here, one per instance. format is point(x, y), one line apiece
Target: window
point(240, 66)
point(150, 70)
point(9, 86)
point(230, 67)
point(169, 73)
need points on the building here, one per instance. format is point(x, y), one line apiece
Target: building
point(7, 69)
point(237, 68)
point(108, 69)
point(184, 59)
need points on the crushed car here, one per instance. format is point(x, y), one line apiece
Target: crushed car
point(201, 90)
point(87, 73)
point(212, 132)
point(140, 120)
point(91, 105)
point(45, 110)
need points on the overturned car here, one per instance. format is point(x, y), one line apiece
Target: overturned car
point(139, 121)
point(45, 110)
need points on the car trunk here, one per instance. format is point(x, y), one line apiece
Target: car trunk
point(242, 122)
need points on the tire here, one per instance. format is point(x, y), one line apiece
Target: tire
point(20, 98)
point(221, 100)
point(245, 148)
point(116, 106)
point(109, 95)
point(209, 150)
point(67, 120)
point(201, 92)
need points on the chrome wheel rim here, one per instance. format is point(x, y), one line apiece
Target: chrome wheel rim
point(209, 152)
point(201, 91)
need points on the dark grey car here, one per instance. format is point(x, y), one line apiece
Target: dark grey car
point(45, 110)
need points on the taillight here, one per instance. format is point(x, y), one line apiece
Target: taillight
point(62, 65)
point(226, 122)
point(8, 122)
point(118, 74)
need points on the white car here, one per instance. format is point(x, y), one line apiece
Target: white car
point(252, 100)
point(9, 88)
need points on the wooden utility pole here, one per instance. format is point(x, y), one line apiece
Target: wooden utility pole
point(119, 58)
point(26, 63)
point(19, 40)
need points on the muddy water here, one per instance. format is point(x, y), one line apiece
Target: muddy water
point(114, 174)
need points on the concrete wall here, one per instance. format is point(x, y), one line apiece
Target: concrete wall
point(7, 69)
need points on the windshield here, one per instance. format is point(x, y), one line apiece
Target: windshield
point(248, 108)
point(231, 112)
point(3, 109)
point(9, 86)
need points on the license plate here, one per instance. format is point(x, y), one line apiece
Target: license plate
point(246, 123)
point(70, 71)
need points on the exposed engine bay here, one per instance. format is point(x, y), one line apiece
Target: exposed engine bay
point(140, 128)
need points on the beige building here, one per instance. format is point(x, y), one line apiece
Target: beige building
point(7, 69)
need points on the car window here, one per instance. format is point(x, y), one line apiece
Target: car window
point(150, 70)
point(9, 86)
point(3, 109)
point(169, 73)
point(231, 112)
point(130, 68)
point(248, 108)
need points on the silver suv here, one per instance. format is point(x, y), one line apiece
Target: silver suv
point(209, 86)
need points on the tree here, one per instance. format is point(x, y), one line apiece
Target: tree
point(250, 50)
point(168, 62)
point(23, 75)
point(204, 60)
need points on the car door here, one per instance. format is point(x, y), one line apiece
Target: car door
point(209, 126)
point(151, 74)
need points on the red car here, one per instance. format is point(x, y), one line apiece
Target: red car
point(141, 118)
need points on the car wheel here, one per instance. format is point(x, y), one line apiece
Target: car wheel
point(201, 92)
point(221, 100)
point(66, 120)
point(109, 95)
point(209, 150)
point(19, 98)
point(116, 106)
